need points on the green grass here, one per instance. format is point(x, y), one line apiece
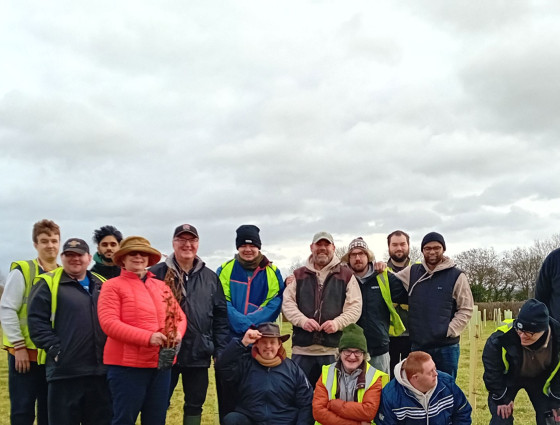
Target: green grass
point(524, 413)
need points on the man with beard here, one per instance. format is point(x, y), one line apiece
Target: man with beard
point(439, 284)
point(323, 300)
point(378, 292)
point(399, 251)
point(200, 294)
point(108, 240)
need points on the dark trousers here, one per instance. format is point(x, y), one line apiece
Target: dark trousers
point(235, 418)
point(85, 400)
point(312, 366)
point(446, 358)
point(534, 389)
point(226, 392)
point(136, 390)
point(195, 387)
point(399, 349)
point(25, 390)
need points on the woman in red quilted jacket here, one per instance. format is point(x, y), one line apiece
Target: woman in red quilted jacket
point(140, 316)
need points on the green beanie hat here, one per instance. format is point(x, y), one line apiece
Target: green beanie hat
point(353, 337)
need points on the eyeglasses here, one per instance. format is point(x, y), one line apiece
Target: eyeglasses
point(357, 254)
point(183, 241)
point(527, 333)
point(432, 249)
point(355, 353)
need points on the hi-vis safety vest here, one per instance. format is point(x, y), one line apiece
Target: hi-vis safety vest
point(52, 280)
point(508, 326)
point(396, 326)
point(273, 284)
point(330, 381)
point(29, 270)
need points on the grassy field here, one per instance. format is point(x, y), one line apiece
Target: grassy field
point(523, 411)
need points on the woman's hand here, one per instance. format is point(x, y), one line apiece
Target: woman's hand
point(158, 338)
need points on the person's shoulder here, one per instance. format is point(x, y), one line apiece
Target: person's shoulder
point(447, 381)
point(159, 267)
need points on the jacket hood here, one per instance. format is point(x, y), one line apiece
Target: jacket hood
point(400, 376)
point(447, 263)
point(311, 266)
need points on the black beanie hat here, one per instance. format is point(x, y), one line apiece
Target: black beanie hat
point(248, 234)
point(433, 237)
point(533, 317)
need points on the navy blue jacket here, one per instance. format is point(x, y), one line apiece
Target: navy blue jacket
point(279, 395)
point(547, 289)
point(448, 405)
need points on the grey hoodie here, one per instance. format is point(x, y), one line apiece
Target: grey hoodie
point(423, 399)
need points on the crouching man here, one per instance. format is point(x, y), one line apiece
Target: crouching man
point(271, 387)
point(420, 394)
point(524, 356)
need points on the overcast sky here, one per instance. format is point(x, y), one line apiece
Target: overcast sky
point(356, 118)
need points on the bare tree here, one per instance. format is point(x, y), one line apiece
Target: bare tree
point(522, 266)
point(297, 262)
point(484, 271)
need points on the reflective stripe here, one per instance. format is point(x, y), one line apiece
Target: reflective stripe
point(396, 326)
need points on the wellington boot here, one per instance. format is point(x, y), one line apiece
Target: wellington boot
point(192, 420)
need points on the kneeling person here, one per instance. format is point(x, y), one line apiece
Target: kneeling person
point(349, 390)
point(271, 387)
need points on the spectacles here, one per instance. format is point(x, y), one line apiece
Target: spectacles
point(183, 241)
point(357, 254)
point(355, 353)
point(529, 334)
point(432, 249)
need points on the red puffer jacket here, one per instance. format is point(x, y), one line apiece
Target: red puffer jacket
point(130, 311)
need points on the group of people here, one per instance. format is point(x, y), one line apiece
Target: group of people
point(109, 344)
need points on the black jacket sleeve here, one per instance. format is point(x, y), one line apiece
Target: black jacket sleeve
point(398, 293)
point(304, 398)
point(39, 318)
point(233, 361)
point(220, 323)
point(494, 368)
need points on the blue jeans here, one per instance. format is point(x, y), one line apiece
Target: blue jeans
point(136, 390)
point(446, 358)
point(25, 389)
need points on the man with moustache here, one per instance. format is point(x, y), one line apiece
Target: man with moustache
point(323, 300)
point(26, 378)
point(439, 284)
point(108, 240)
point(399, 250)
point(200, 294)
point(63, 322)
point(378, 292)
